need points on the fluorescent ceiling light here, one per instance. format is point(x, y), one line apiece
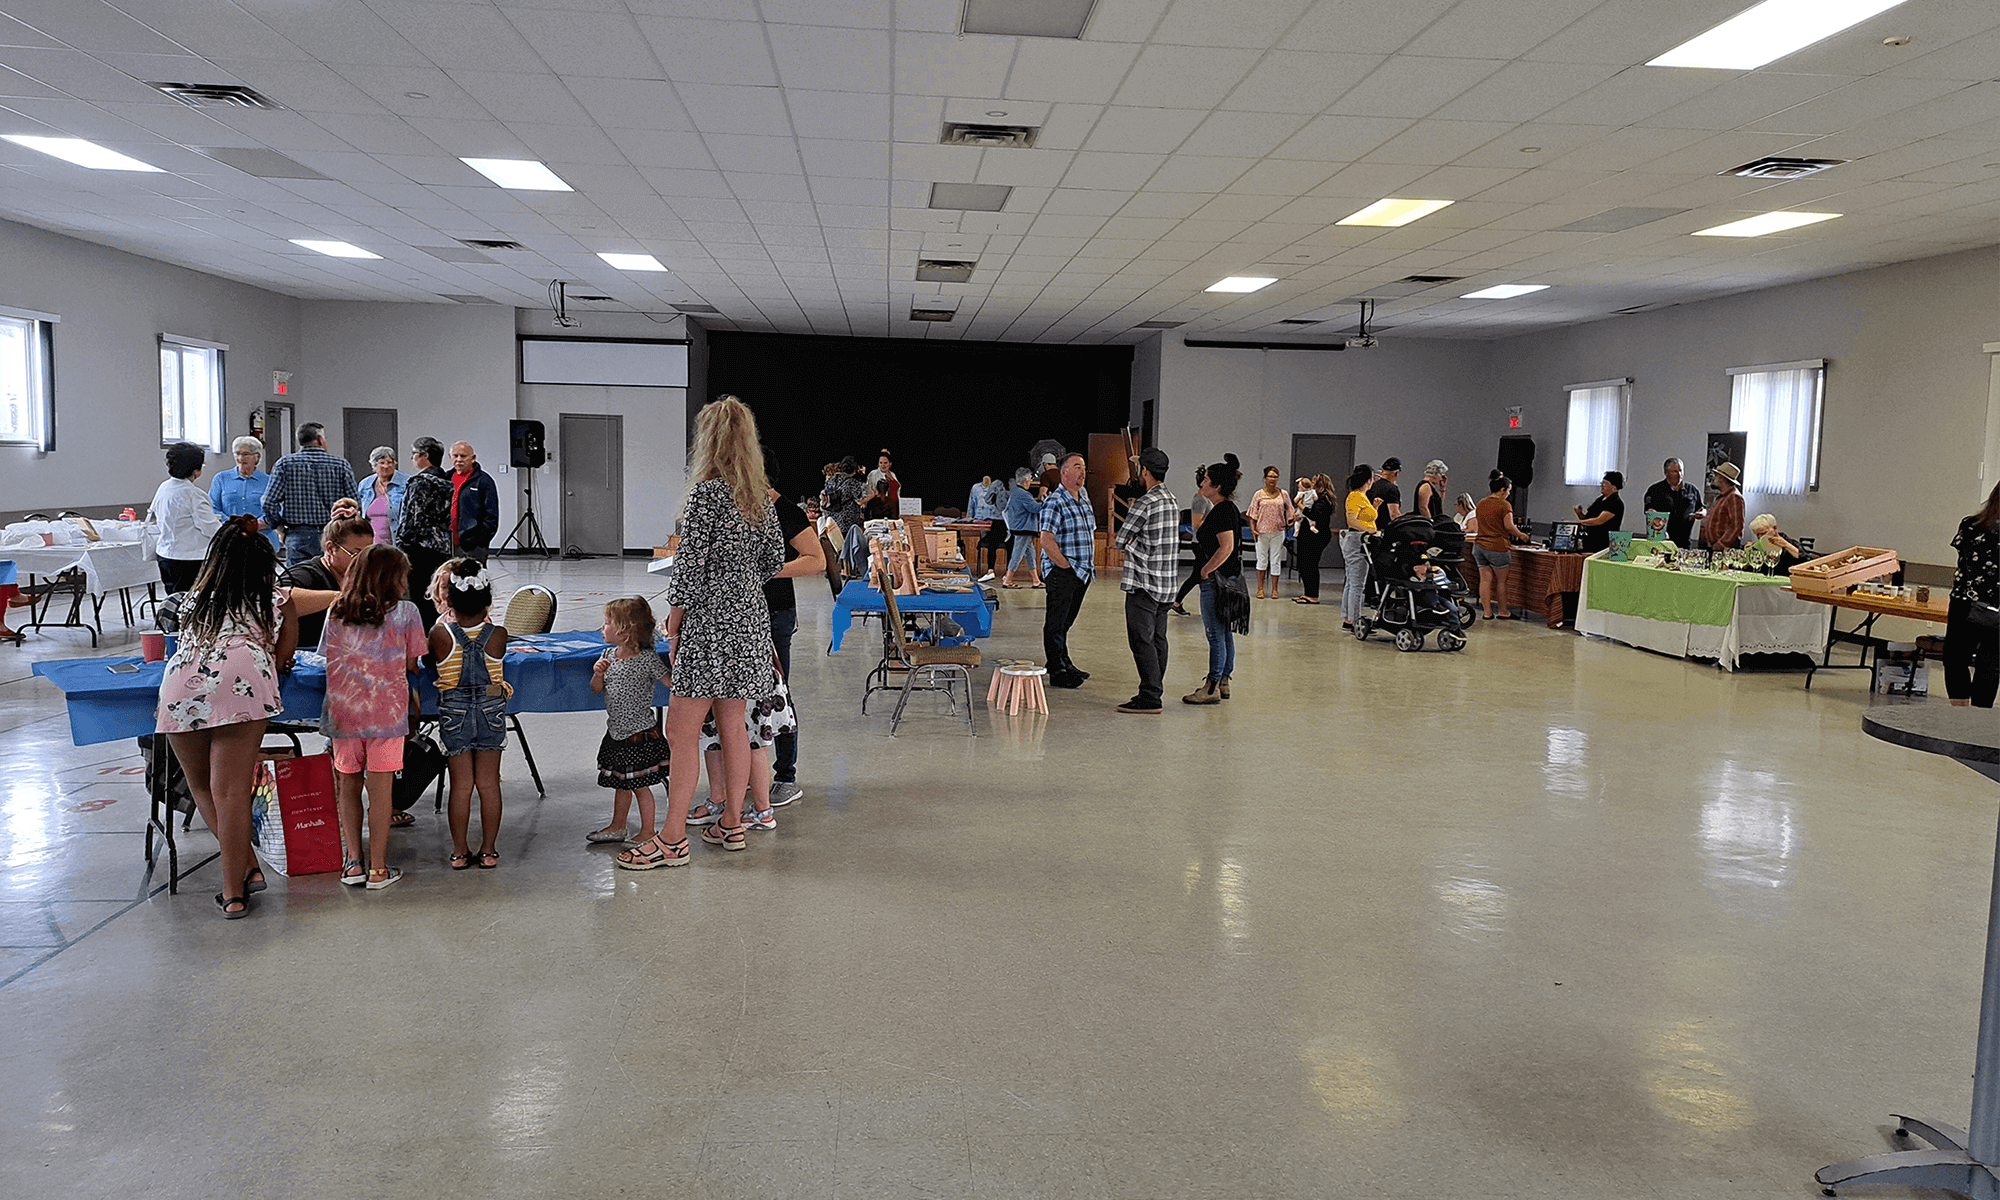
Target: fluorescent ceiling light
point(1393, 212)
point(80, 152)
point(1769, 31)
point(1774, 222)
point(634, 262)
point(520, 174)
point(1505, 291)
point(337, 249)
point(1240, 283)
point(1028, 18)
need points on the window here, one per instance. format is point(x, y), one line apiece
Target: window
point(1779, 407)
point(191, 392)
point(1596, 442)
point(27, 380)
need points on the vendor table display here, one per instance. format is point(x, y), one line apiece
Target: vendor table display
point(1697, 613)
point(971, 608)
point(1873, 607)
point(1537, 581)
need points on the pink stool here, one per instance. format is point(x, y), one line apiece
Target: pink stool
point(1018, 684)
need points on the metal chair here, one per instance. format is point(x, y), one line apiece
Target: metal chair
point(530, 610)
point(831, 553)
point(940, 665)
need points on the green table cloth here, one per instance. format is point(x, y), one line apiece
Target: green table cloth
point(1684, 597)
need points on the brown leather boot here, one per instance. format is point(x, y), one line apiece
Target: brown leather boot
point(1207, 693)
point(1222, 685)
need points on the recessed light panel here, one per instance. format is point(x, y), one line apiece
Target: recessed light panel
point(336, 249)
point(264, 164)
point(970, 197)
point(1776, 222)
point(634, 262)
point(1240, 283)
point(1505, 291)
point(1769, 31)
point(80, 152)
point(1393, 212)
point(518, 174)
point(1028, 18)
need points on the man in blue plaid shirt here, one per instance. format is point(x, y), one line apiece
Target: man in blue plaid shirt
point(1151, 539)
point(1069, 543)
point(303, 489)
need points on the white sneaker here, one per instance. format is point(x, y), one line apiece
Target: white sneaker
point(986, 578)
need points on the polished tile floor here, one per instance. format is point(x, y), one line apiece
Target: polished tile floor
point(1548, 917)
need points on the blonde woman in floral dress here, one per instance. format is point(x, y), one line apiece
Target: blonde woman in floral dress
point(221, 688)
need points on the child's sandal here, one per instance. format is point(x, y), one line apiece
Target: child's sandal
point(654, 853)
point(353, 873)
point(729, 839)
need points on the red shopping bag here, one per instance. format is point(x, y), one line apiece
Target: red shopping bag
point(294, 823)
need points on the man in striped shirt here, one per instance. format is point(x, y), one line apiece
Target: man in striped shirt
point(1151, 539)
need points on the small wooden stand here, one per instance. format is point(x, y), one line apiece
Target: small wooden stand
point(1018, 684)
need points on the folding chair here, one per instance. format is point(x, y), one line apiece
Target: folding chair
point(530, 610)
point(940, 665)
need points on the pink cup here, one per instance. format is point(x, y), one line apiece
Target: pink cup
point(153, 646)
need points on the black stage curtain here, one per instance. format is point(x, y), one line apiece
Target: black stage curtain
point(949, 412)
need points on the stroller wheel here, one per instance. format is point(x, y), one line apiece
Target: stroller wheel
point(1409, 639)
point(1447, 640)
point(1362, 628)
point(1468, 612)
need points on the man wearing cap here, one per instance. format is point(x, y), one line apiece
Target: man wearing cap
point(1069, 548)
point(1722, 529)
point(1387, 496)
point(1151, 539)
point(1680, 500)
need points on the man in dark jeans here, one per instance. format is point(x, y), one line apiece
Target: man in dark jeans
point(1151, 537)
point(1069, 543)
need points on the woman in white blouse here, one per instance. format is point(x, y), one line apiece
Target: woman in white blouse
point(183, 517)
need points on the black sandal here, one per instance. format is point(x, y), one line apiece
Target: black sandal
point(223, 902)
point(460, 862)
point(253, 881)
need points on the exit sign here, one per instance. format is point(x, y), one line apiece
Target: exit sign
point(1514, 417)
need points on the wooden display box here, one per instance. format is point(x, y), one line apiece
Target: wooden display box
point(672, 547)
point(1841, 570)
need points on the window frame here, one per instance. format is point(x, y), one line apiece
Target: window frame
point(39, 328)
point(181, 348)
point(1624, 385)
point(1813, 429)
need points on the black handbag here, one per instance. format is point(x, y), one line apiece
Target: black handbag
point(1986, 616)
point(1232, 602)
point(423, 762)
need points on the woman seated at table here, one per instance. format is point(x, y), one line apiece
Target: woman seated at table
point(1764, 529)
point(1606, 514)
point(184, 517)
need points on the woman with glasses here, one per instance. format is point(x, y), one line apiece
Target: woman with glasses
point(341, 542)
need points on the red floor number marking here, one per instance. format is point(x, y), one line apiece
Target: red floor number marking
point(94, 805)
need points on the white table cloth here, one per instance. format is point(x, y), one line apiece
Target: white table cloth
point(1767, 620)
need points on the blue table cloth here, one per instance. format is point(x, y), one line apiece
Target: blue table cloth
point(970, 609)
point(550, 673)
point(8, 574)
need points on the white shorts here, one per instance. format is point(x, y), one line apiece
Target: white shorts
point(1271, 551)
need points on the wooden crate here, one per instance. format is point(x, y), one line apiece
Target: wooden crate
point(1833, 574)
point(672, 547)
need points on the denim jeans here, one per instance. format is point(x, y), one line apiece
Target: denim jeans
point(1221, 641)
point(1024, 553)
point(785, 756)
point(1355, 556)
point(300, 545)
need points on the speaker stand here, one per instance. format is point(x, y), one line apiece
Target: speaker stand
point(527, 535)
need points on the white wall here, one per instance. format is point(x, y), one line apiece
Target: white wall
point(113, 307)
point(1906, 393)
point(1407, 398)
point(447, 369)
point(655, 428)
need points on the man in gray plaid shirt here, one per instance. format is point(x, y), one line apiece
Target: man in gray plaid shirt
point(1151, 539)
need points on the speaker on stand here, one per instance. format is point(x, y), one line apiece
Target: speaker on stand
point(1517, 462)
point(527, 451)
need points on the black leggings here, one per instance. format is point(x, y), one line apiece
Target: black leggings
point(1971, 657)
point(1305, 556)
point(179, 573)
point(1193, 582)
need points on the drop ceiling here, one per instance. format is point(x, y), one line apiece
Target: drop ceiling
point(780, 156)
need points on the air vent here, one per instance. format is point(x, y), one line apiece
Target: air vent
point(991, 137)
point(1430, 279)
point(944, 270)
point(1783, 168)
point(466, 299)
point(581, 298)
point(931, 314)
point(455, 254)
point(1159, 324)
point(215, 95)
point(696, 308)
point(491, 244)
point(1300, 321)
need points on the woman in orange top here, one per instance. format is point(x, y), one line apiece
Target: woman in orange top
point(1492, 546)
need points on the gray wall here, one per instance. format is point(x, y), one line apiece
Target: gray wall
point(113, 307)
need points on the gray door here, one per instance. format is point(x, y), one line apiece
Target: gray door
point(363, 429)
point(590, 455)
point(278, 440)
point(1331, 454)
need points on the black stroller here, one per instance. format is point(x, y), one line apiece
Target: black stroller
point(1408, 609)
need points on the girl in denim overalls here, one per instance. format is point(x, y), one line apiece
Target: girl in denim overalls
point(472, 703)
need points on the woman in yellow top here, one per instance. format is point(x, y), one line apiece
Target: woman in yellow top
point(1360, 522)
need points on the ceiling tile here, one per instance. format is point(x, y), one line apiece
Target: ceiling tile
point(938, 65)
point(728, 108)
point(1335, 25)
point(1340, 139)
point(1143, 130)
point(649, 148)
point(1052, 69)
point(1196, 173)
point(747, 152)
point(855, 60)
point(703, 51)
point(1242, 133)
point(588, 43)
point(1184, 76)
point(865, 160)
point(474, 37)
point(852, 116)
point(1205, 24)
point(1290, 81)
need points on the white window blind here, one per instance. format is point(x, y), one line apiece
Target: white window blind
point(191, 392)
point(1596, 440)
point(1779, 407)
point(27, 385)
